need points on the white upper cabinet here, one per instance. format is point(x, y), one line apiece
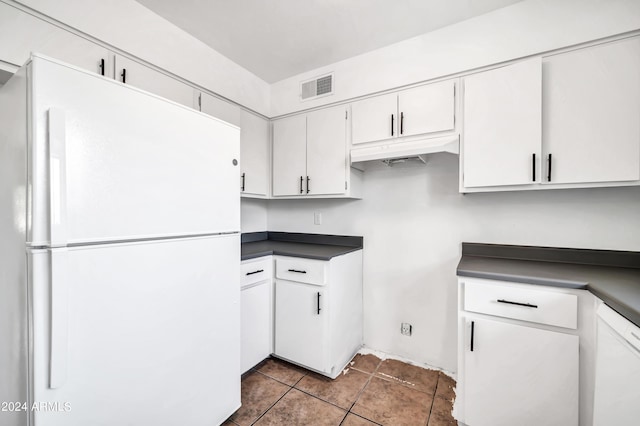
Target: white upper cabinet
point(416, 111)
point(289, 155)
point(591, 114)
point(326, 151)
point(219, 108)
point(374, 119)
point(145, 78)
point(427, 109)
point(254, 155)
point(502, 125)
point(21, 34)
point(310, 155)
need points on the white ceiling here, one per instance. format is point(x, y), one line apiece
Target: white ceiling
point(276, 39)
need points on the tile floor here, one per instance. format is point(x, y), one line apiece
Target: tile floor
point(369, 392)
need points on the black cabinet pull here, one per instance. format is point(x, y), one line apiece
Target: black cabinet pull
point(124, 75)
point(301, 180)
point(472, 332)
point(528, 305)
point(549, 171)
point(534, 166)
point(243, 181)
point(102, 66)
point(318, 303)
point(308, 179)
point(391, 124)
point(297, 271)
point(255, 272)
point(402, 123)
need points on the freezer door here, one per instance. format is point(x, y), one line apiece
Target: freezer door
point(136, 334)
point(116, 163)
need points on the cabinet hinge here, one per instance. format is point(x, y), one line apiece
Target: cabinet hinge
point(200, 102)
point(346, 113)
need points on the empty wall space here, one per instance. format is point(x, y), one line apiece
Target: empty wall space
point(413, 221)
point(253, 215)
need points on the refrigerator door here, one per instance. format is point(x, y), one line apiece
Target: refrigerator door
point(142, 333)
point(116, 163)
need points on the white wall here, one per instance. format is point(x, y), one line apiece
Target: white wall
point(522, 29)
point(136, 30)
point(253, 215)
point(412, 217)
point(413, 221)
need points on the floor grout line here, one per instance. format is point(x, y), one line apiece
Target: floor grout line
point(433, 400)
point(272, 405)
point(371, 375)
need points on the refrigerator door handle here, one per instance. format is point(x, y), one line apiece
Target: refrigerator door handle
point(57, 177)
point(59, 317)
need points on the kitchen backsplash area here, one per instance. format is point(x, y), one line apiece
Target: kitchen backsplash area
point(413, 221)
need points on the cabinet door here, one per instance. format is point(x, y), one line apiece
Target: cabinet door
point(326, 151)
point(502, 125)
point(591, 106)
point(289, 155)
point(374, 119)
point(145, 78)
point(21, 34)
point(254, 154)
point(519, 375)
point(255, 325)
point(300, 327)
point(427, 109)
point(219, 108)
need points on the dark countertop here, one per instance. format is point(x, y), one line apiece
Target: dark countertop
point(310, 246)
point(613, 276)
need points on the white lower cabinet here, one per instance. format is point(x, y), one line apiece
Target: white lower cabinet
point(519, 349)
point(519, 375)
point(318, 311)
point(302, 320)
point(256, 306)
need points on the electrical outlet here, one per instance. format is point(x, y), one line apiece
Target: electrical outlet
point(405, 328)
point(317, 218)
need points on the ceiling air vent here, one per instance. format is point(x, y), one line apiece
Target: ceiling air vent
point(318, 87)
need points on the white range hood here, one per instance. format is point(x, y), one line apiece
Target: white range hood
point(408, 149)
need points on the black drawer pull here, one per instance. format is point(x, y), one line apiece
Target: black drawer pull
point(549, 170)
point(391, 124)
point(255, 272)
point(101, 66)
point(534, 167)
point(472, 330)
point(301, 180)
point(124, 75)
point(528, 305)
point(243, 181)
point(297, 271)
point(318, 303)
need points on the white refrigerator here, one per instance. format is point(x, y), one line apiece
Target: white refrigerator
point(119, 255)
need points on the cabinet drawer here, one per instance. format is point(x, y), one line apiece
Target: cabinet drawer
point(514, 301)
point(301, 270)
point(253, 271)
